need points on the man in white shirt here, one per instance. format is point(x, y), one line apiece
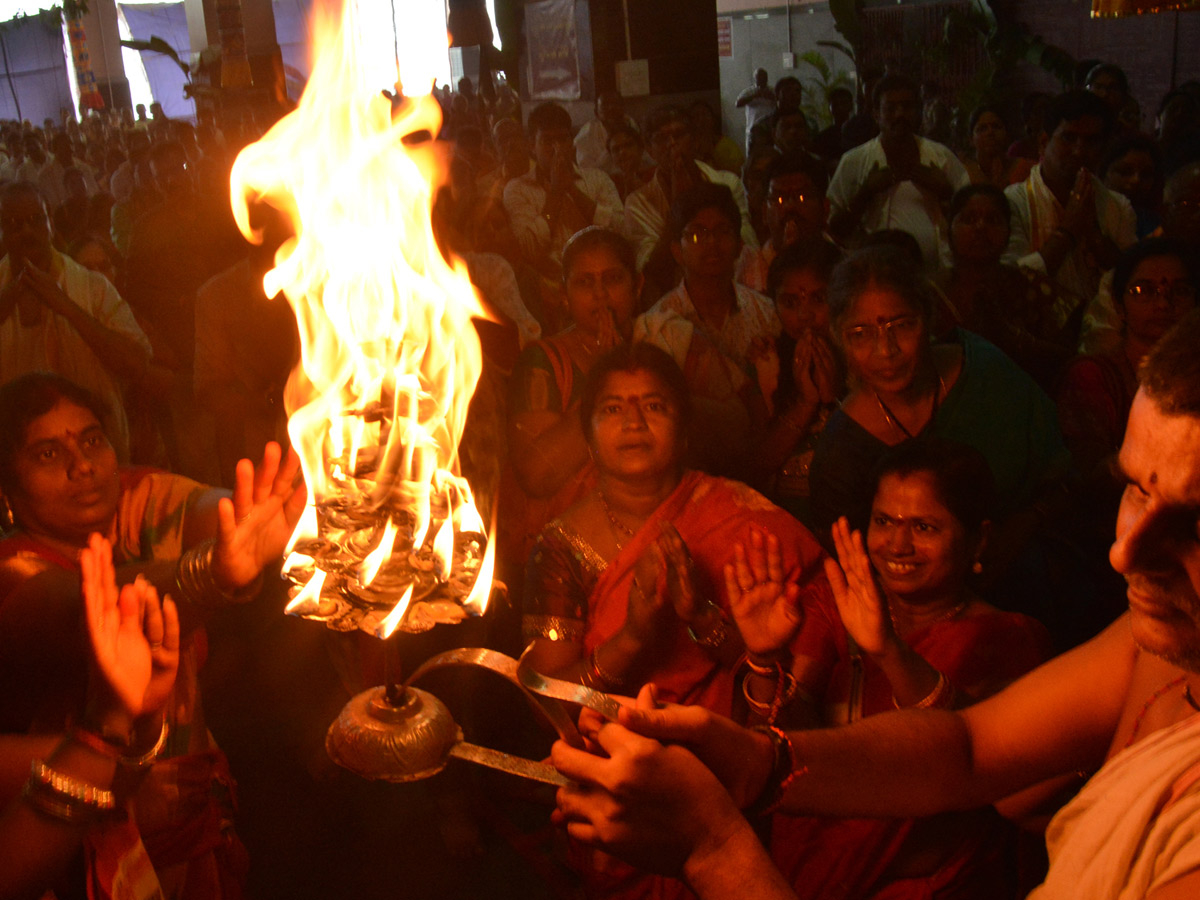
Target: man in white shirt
point(591, 143)
point(555, 199)
point(897, 180)
point(758, 100)
point(1066, 224)
point(57, 316)
point(35, 158)
point(710, 324)
point(673, 146)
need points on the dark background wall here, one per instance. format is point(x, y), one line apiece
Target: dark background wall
point(1147, 47)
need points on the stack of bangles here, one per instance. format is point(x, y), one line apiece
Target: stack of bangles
point(194, 582)
point(785, 692)
point(73, 801)
point(941, 697)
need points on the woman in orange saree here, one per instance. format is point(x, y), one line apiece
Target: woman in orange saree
point(61, 483)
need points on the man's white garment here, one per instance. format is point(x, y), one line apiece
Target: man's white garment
point(673, 320)
point(647, 208)
point(1036, 212)
point(54, 190)
point(1134, 827)
point(757, 109)
point(591, 146)
point(525, 198)
point(903, 206)
point(53, 345)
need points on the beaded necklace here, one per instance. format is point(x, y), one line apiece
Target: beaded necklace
point(617, 527)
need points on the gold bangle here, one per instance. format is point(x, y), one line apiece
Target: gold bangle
point(51, 805)
point(195, 584)
point(609, 681)
point(715, 636)
point(763, 709)
point(769, 671)
point(942, 695)
point(140, 762)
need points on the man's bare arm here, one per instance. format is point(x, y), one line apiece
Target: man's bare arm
point(736, 866)
point(660, 809)
point(1059, 718)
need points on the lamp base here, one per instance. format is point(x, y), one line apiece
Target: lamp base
point(405, 740)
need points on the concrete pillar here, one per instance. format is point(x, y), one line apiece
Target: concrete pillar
point(258, 21)
point(104, 49)
point(268, 91)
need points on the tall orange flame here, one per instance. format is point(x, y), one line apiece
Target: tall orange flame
point(389, 355)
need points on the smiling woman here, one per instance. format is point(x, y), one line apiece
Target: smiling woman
point(920, 639)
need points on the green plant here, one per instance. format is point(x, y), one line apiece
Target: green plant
point(817, 90)
point(1005, 43)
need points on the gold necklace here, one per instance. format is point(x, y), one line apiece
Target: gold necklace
point(952, 613)
point(618, 528)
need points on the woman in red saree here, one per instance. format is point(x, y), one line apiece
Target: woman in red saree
point(905, 631)
point(628, 585)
